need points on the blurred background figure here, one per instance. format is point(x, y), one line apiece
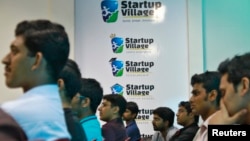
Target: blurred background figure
point(111, 110)
point(69, 83)
point(163, 120)
point(129, 117)
point(85, 104)
point(188, 120)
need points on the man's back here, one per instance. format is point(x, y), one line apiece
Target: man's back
point(39, 112)
point(92, 128)
point(133, 131)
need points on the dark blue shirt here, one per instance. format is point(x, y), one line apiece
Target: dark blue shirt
point(133, 131)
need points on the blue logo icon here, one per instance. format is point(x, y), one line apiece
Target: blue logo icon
point(117, 67)
point(117, 44)
point(109, 10)
point(117, 89)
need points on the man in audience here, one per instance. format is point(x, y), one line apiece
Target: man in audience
point(111, 110)
point(188, 120)
point(37, 55)
point(85, 104)
point(129, 116)
point(163, 120)
point(205, 99)
point(235, 89)
point(69, 83)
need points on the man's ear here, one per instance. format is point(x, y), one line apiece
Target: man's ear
point(244, 87)
point(61, 84)
point(38, 61)
point(212, 95)
point(134, 115)
point(116, 109)
point(166, 123)
point(85, 102)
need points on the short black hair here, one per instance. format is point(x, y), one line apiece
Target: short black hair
point(48, 38)
point(117, 100)
point(133, 107)
point(92, 89)
point(71, 76)
point(236, 68)
point(166, 113)
point(186, 105)
point(210, 80)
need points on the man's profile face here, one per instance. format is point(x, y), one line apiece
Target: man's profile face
point(106, 111)
point(198, 100)
point(232, 99)
point(128, 115)
point(182, 116)
point(18, 64)
point(158, 123)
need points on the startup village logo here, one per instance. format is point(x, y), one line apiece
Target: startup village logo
point(135, 44)
point(132, 89)
point(131, 67)
point(140, 9)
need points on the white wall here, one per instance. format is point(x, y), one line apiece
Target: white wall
point(62, 11)
point(14, 11)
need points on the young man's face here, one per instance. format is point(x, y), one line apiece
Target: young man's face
point(128, 115)
point(232, 99)
point(18, 64)
point(106, 111)
point(199, 99)
point(158, 123)
point(183, 117)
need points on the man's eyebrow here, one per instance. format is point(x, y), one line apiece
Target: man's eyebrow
point(194, 91)
point(13, 46)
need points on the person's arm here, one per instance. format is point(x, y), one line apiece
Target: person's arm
point(222, 116)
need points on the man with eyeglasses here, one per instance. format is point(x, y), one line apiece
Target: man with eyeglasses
point(85, 104)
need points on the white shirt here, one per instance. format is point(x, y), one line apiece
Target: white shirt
point(158, 136)
point(201, 134)
point(39, 112)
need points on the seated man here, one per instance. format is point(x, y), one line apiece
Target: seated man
point(163, 120)
point(205, 99)
point(111, 110)
point(129, 116)
point(235, 88)
point(85, 104)
point(188, 120)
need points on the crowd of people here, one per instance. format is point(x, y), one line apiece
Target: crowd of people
point(58, 104)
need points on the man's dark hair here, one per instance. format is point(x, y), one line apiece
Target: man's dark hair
point(48, 38)
point(71, 76)
point(186, 105)
point(210, 81)
point(133, 107)
point(236, 68)
point(117, 100)
point(166, 114)
point(92, 89)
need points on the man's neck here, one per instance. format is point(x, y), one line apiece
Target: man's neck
point(86, 113)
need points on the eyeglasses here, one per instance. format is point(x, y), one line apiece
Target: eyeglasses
point(81, 97)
